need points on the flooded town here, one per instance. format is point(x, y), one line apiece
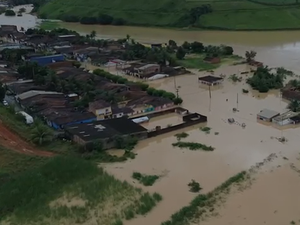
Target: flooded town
point(216, 127)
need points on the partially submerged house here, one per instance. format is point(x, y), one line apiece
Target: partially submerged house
point(284, 118)
point(267, 115)
point(210, 80)
point(105, 131)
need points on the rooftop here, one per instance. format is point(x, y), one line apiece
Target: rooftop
point(267, 113)
point(210, 79)
point(105, 129)
point(285, 116)
point(99, 104)
point(29, 94)
point(147, 66)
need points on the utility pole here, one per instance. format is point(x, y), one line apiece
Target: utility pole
point(175, 86)
point(209, 91)
point(237, 100)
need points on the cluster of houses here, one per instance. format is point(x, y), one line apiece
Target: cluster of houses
point(101, 119)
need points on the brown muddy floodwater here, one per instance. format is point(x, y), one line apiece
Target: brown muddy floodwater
point(273, 196)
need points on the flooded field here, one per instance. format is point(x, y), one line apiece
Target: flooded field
point(163, 121)
point(236, 148)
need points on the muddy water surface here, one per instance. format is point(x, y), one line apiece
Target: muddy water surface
point(236, 148)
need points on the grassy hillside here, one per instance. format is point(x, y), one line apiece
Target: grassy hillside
point(70, 191)
point(226, 14)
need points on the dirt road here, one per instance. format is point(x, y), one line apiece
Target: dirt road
point(12, 141)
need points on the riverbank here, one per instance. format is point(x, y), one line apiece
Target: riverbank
point(223, 15)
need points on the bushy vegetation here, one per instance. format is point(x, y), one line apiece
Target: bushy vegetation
point(205, 129)
point(193, 146)
point(209, 14)
point(146, 180)
point(194, 186)
point(203, 202)
point(29, 196)
point(181, 135)
point(263, 80)
point(9, 12)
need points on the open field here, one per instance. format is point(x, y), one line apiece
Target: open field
point(68, 191)
point(227, 14)
point(48, 25)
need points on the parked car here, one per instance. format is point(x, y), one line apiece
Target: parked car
point(5, 103)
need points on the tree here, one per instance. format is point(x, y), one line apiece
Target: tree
point(197, 47)
point(294, 105)
point(2, 92)
point(9, 12)
point(93, 34)
point(180, 54)
point(194, 186)
point(177, 101)
point(172, 44)
point(41, 134)
point(250, 55)
point(227, 50)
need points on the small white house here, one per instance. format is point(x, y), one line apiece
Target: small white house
point(284, 118)
point(28, 118)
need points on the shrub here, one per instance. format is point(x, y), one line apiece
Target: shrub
point(194, 186)
point(205, 129)
point(245, 91)
point(181, 135)
point(193, 146)
point(146, 180)
point(9, 12)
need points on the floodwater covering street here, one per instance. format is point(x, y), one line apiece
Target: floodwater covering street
point(274, 195)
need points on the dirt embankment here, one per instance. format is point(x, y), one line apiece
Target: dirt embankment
point(14, 142)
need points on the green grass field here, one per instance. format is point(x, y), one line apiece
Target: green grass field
point(48, 25)
point(227, 14)
point(67, 190)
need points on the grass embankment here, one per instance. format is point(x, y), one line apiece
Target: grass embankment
point(204, 204)
point(12, 163)
point(234, 15)
point(146, 180)
point(49, 25)
point(70, 190)
point(195, 61)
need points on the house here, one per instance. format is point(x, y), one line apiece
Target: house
point(67, 37)
point(32, 93)
point(59, 119)
point(267, 115)
point(284, 118)
point(101, 109)
point(295, 119)
point(21, 86)
point(118, 112)
point(45, 60)
point(210, 80)
point(147, 69)
point(105, 131)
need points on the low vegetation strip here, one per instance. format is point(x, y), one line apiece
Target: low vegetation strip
point(71, 190)
point(193, 146)
point(203, 203)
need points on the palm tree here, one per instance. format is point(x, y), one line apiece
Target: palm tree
point(250, 55)
point(294, 105)
point(93, 34)
point(40, 134)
